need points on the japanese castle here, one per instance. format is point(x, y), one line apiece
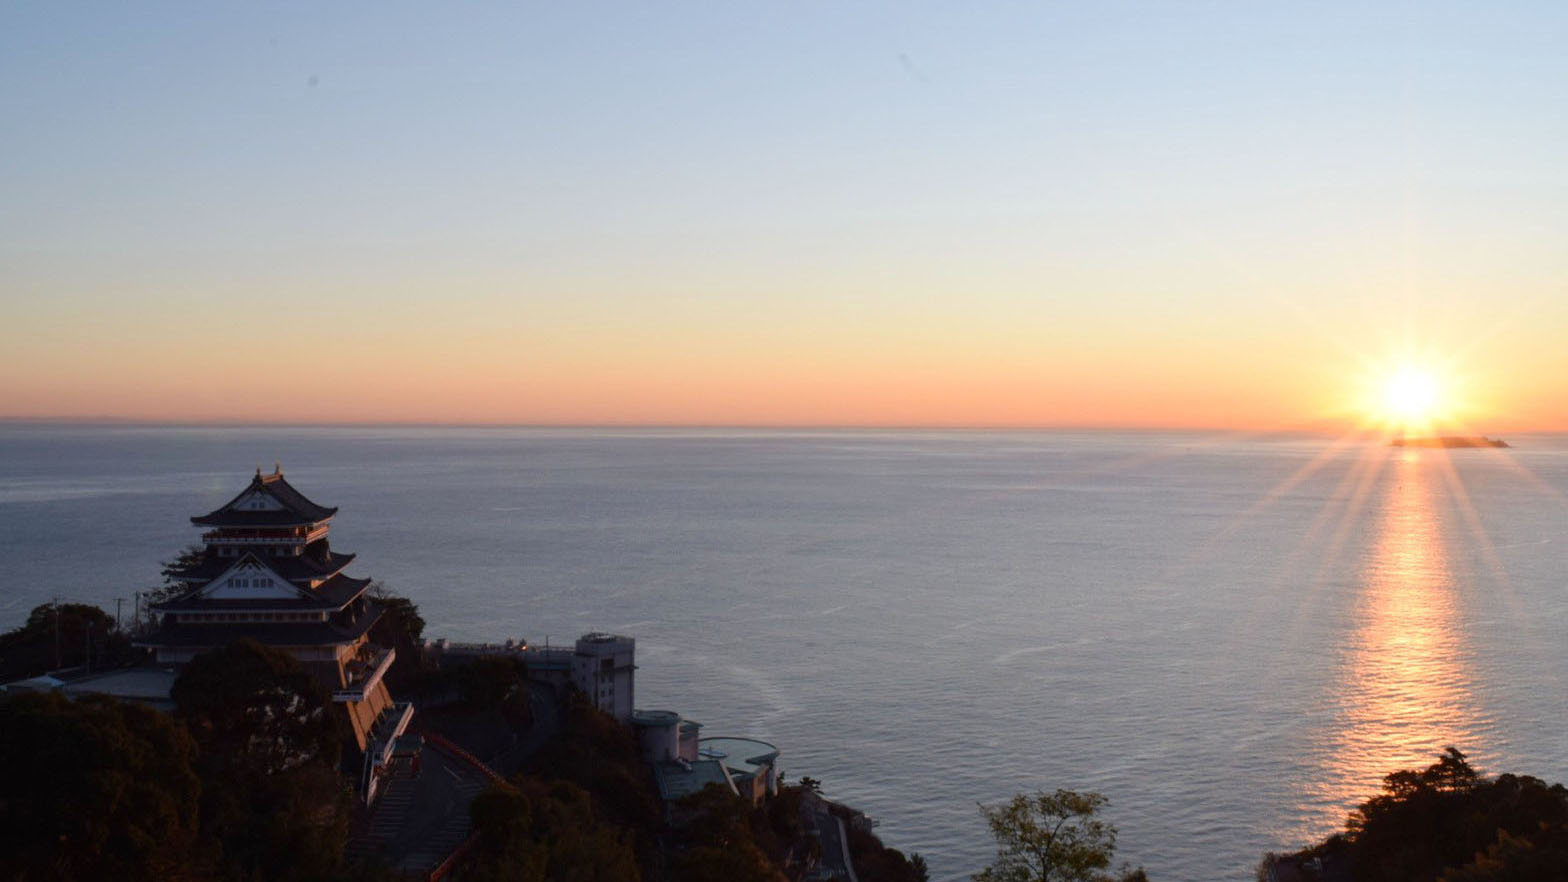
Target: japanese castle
point(267, 572)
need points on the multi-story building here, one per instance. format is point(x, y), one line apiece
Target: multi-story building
point(604, 668)
point(267, 572)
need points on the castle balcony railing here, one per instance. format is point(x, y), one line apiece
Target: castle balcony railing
point(249, 540)
point(258, 537)
point(364, 675)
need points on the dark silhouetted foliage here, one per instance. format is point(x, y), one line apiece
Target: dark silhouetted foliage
point(95, 789)
point(875, 862)
point(254, 708)
point(402, 628)
point(489, 681)
point(1448, 822)
point(273, 802)
point(56, 636)
point(715, 839)
point(173, 585)
point(534, 831)
point(1440, 818)
point(601, 756)
point(1540, 855)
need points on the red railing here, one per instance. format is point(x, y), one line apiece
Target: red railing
point(438, 741)
point(455, 858)
point(457, 855)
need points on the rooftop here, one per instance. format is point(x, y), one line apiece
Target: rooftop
point(296, 507)
point(740, 754)
point(148, 685)
point(655, 718)
point(683, 779)
point(295, 568)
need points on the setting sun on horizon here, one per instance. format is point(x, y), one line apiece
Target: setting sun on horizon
point(1412, 394)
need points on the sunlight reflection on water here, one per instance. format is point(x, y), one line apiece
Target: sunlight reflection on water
point(1405, 688)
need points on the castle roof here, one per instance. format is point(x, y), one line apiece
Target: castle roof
point(295, 568)
point(292, 507)
point(333, 594)
point(211, 636)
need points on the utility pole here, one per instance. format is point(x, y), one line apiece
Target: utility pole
point(118, 602)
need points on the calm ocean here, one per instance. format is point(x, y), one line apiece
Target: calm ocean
point(1232, 638)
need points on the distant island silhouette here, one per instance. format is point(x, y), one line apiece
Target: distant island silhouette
point(1450, 441)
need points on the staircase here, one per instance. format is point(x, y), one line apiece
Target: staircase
point(438, 845)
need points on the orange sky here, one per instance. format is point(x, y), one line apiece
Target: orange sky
point(1253, 365)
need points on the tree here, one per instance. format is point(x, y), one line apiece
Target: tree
point(1449, 822)
point(273, 801)
point(601, 756)
point(402, 628)
point(252, 706)
point(716, 841)
point(1429, 821)
point(1518, 858)
point(490, 681)
point(1050, 837)
point(56, 635)
point(173, 573)
point(532, 831)
point(94, 789)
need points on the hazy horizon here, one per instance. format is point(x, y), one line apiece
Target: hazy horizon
point(1331, 430)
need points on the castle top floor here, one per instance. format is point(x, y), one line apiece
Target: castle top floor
point(268, 512)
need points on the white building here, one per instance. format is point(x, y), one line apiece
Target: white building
point(604, 669)
point(601, 666)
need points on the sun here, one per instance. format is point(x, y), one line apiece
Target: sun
point(1412, 395)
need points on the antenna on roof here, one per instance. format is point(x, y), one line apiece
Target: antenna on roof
point(258, 469)
point(277, 467)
